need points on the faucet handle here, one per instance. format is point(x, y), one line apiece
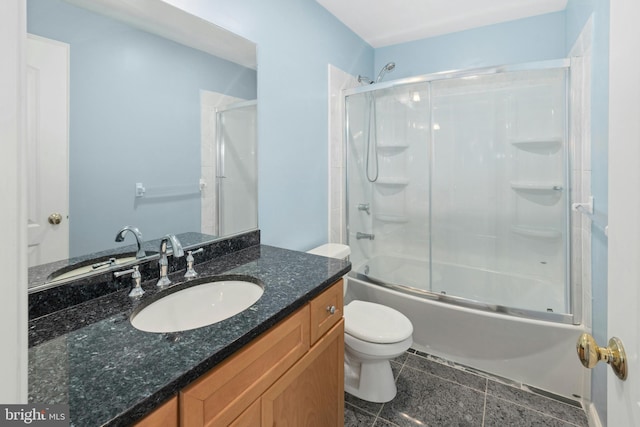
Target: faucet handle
point(136, 278)
point(191, 273)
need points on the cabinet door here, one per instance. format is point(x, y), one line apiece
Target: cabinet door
point(311, 393)
point(165, 416)
point(220, 396)
point(250, 417)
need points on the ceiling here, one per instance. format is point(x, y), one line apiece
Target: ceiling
point(173, 23)
point(386, 22)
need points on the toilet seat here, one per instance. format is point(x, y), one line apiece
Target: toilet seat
point(376, 323)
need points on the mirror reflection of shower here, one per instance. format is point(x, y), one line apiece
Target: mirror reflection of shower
point(372, 150)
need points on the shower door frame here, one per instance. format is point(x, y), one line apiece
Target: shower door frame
point(573, 291)
point(220, 148)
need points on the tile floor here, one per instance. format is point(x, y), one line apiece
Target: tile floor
point(432, 393)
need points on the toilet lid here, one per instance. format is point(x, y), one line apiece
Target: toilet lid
point(376, 323)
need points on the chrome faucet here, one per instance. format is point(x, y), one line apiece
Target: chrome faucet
point(191, 272)
point(365, 207)
point(360, 235)
point(136, 278)
point(138, 235)
point(110, 262)
point(164, 262)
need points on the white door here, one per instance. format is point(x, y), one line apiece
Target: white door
point(47, 149)
point(623, 407)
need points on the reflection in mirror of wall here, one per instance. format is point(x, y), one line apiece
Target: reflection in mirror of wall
point(142, 124)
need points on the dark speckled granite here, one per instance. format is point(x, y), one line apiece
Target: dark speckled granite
point(53, 299)
point(90, 356)
point(39, 274)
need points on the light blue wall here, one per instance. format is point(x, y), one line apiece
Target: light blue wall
point(578, 12)
point(524, 40)
point(296, 39)
point(116, 139)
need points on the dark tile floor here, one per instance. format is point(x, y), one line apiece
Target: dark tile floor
point(433, 393)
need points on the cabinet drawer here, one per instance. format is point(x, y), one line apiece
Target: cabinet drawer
point(322, 306)
point(221, 395)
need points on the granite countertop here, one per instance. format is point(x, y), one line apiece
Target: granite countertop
point(39, 274)
point(90, 357)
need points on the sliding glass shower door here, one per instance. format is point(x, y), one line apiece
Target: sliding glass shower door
point(388, 174)
point(458, 187)
point(499, 186)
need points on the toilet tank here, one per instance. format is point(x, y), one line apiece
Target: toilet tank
point(334, 250)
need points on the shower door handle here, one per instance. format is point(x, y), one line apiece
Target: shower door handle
point(360, 235)
point(590, 354)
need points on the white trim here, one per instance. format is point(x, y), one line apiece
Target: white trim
point(592, 415)
point(13, 251)
point(623, 319)
point(338, 81)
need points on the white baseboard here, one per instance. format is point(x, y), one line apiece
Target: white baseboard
point(593, 416)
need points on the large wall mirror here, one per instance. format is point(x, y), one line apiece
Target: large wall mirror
point(139, 114)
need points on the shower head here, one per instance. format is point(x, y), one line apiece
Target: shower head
point(364, 79)
point(389, 67)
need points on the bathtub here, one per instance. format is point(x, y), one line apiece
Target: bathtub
point(537, 353)
point(512, 291)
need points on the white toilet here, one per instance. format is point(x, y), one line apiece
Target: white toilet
point(374, 334)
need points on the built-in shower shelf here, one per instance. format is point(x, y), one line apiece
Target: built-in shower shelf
point(536, 232)
point(391, 149)
point(537, 187)
point(398, 219)
point(542, 145)
point(393, 182)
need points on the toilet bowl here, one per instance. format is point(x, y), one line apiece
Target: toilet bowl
point(374, 334)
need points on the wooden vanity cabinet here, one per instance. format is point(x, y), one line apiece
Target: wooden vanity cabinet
point(164, 416)
point(291, 375)
point(311, 393)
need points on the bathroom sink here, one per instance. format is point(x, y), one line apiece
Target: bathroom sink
point(91, 266)
point(196, 306)
point(96, 266)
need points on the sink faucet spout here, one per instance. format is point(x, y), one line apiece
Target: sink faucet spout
point(138, 235)
point(178, 252)
point(164, 262)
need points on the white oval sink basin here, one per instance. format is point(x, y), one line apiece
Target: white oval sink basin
point(89, 269)
point(197, 306)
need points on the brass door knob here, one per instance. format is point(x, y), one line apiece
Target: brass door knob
point(590, 354)
point(55, 219)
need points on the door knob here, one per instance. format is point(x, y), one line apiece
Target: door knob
point(590, 354)
point(55, 218)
